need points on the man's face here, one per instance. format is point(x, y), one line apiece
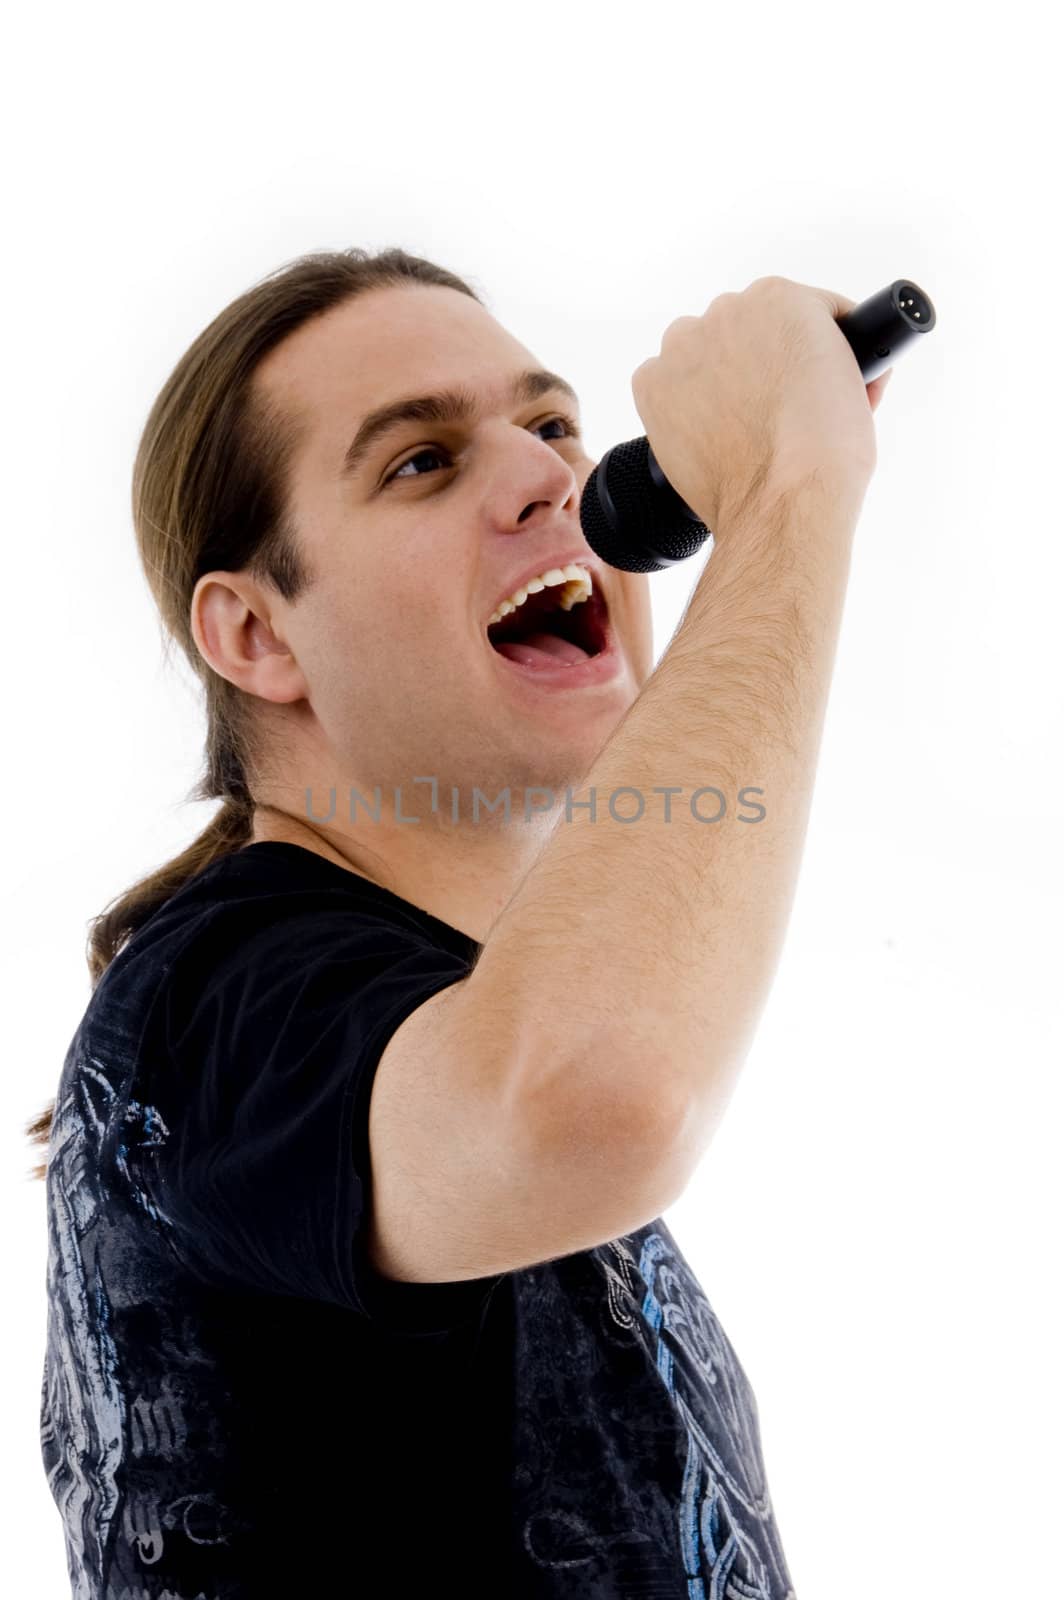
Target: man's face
point(391, 638)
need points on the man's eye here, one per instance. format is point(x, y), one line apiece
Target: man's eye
point(569, 426)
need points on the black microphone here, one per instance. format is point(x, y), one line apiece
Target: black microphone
point(632, 516)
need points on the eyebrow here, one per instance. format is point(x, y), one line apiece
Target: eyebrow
point(448, 406)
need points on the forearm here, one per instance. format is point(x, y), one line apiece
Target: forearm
point(633, 961)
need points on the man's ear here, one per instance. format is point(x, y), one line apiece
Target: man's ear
point(235, 626)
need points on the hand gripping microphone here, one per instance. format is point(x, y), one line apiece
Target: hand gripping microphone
point(632, 516)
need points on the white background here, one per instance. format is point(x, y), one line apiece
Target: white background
point(876, 1223)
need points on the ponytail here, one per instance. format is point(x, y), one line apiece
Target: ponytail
point(231, 827)
point(228, 829)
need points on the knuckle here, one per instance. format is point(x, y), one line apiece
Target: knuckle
point(678, 326)
point(642, 375)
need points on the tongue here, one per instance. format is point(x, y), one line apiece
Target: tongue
point(541, 650)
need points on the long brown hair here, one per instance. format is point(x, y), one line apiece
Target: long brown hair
point(210, 494)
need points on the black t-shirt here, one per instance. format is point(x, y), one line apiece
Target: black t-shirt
point(235, 1403)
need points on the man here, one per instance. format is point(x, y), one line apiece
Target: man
point(422, 1072)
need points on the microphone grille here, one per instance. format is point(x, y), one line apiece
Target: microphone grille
point(622, 510)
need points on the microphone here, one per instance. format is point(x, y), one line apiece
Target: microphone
point(631, 515)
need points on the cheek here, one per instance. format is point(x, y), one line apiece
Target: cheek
point(341, 643)
point(392, 635)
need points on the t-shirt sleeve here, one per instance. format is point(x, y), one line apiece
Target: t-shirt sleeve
point(257, 1088)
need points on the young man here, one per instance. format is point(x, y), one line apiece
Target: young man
point(385, 1300)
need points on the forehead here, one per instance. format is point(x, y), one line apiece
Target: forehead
point(385, 343)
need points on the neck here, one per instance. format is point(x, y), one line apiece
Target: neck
point(461, 870)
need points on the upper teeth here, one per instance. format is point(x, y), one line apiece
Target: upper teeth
point(577, 582)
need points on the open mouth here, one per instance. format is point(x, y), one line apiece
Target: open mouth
point(541, 628)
